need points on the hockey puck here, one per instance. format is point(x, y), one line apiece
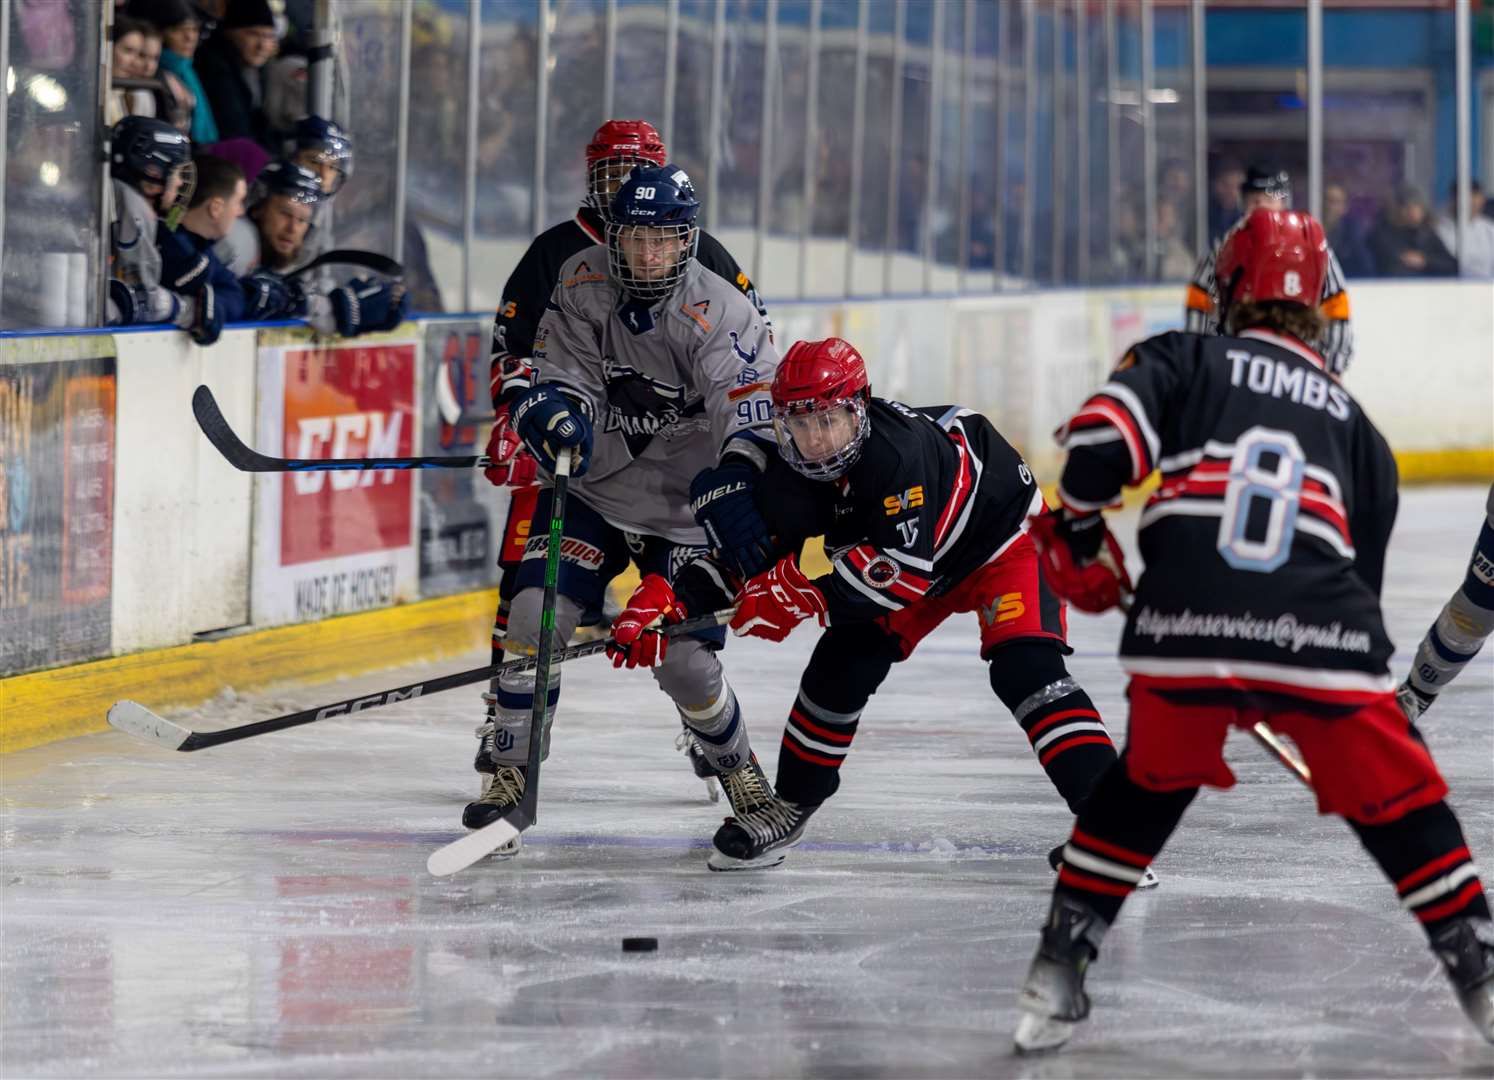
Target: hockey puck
point(640, 944)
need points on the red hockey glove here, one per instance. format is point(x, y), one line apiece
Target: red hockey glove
point(636, 640)
point(1081, 560)
point(513, 465)
point(774, 602)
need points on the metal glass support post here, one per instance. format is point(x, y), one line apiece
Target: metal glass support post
point(1055, 233)
point(811, 144)
point(96, 312)
point(671, 65)
point(1463, 65)
point(1029, 133)
point(967, 63)
point(1112, 125)
point(1081, 124)
point(609, 57)
point(321, 71)
point(858, 140)
point(469, 161)
point(998, 186)
point(541, 118)
point(895, 145)
point(1198, 31)
point(713, 138)
point(931, 173)
point(402, 132)
point(1148, 134)
point(5, 143)
point(1315, 108)
point(765, 143)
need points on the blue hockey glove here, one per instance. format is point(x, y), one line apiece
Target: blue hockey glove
point(271, 296)
point(363, 305)
point(207, 322)
point(549, 422)
point(721, 498)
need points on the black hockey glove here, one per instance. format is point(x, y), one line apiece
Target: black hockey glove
point(549, 422)
point(363, 305)
point(273, 296)
point(721, 498)
point(207, 322)
point(135, 305)
point(184, 269)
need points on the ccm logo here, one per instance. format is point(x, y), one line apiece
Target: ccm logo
point(390, 698)
point(359, 434)
point(908, 500)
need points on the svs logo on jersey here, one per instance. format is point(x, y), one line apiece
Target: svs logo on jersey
point(347, 402)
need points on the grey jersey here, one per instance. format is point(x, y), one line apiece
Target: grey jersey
point(239, 250)
point(668, 388)
point(137, 260)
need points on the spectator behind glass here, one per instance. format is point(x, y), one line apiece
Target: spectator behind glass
point(128, 62)
point(1405, 244)
point(1171, 258)
point(1224, 198)
point(1345, 236)
point(230, 64)
point(1477, 258)
point(181, 30)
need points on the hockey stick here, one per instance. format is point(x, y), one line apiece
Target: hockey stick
point(369, 260)
point(463, 852)
point(135, 719)
point(213, 424)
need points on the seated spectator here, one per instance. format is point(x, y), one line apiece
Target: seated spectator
point(1171, 258)
point(181, 31)
point(270, 251)
point(1476, 260)
point(1224, 198)
point(1345, 236)
point(230, 64)
point(128, 62)
point(1404, 242)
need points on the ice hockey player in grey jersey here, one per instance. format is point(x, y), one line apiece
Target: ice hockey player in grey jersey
point(650, 370)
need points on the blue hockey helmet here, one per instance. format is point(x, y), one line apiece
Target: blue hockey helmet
point(286, 178)
point(651, 231)
point(143, 149)
point(323, 144)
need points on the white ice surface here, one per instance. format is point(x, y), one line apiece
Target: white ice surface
point(262, 908)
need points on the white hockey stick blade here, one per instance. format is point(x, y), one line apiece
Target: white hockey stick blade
point(460, 854)
point(135, 719)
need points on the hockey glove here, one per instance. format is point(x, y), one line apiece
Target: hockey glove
point(184, 269)
point(272, 296)
point(549, 422)
point(363, 306)
point(772, 604)
point(512, 465)
point(207, 319)
point(1081, 559)
point(724, 507)
point(636, 640)
point(135, 305)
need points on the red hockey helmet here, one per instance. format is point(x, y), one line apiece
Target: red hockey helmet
point(616, 147)
point(1273, 255)
point(820, 395)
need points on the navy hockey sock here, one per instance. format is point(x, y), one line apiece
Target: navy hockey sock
point(1426, 857)
point(1121, 829)
point(1061, 722)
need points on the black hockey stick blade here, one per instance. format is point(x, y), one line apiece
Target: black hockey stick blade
point(135, 719)
point(370, 260)
point(213, 424)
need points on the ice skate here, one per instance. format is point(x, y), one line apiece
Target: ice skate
point(759, 840)
point(1053, 998)
point(483, 762)
point(505, 789)
point(686, 742)
point(1148, 880)
point(1466, 949)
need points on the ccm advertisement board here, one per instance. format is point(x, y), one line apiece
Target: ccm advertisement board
point(335, 542)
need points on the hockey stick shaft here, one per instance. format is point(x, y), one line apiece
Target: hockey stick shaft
point(216, 427)
point(136, 720)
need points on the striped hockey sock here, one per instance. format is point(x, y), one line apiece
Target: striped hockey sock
point(815, 742)
point(1425, 856)
point(719, 729)
point(1068, 737)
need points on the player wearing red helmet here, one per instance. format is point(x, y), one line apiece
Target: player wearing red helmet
point(614, 150)
point(924, 514)
point(1264, 550)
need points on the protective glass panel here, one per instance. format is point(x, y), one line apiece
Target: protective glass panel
point(1128, 209)
point(438, 140)
point(638, 89)
point(946, 223)
point(982, 153)
point(789, 120)
point(505, 144)
point(577, 70)
point(909, 224)
point(691, 138)
point(833, 152)
point(876, 163)
point(1041, 142)
point(369, 49)
point(1175, 240)
point(51, 192)
point(1099, 61)
point(1067, 180)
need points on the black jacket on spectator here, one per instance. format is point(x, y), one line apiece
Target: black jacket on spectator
point(1354, 255)
point(222, 73)
point(1387, 240)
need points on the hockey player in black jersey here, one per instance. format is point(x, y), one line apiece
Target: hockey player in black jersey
point(1264, 551)
point(924, 514)
point(615, 148)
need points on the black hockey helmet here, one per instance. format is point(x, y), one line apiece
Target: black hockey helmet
point(144, 148)
point(286, 178)
point(327, 144)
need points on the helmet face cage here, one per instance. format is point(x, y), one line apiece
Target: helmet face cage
point(821, 439)
point(669, 246)
point(605, 175)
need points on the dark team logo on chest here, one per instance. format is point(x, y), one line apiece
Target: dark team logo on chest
point(640, 406)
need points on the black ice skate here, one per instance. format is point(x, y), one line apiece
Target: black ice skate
point(759, 840)
point(1148, 880)
point(505, 789)
point(1053, 998)
point(483, 763)
point(1466, 949)
point(686, 742)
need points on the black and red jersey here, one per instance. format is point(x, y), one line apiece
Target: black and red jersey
point(936, 493)
point(532, 282)
point(1265, 544)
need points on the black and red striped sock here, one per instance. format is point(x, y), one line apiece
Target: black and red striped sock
point(1426, 858)
point(1121, 829)
point(815, 743)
